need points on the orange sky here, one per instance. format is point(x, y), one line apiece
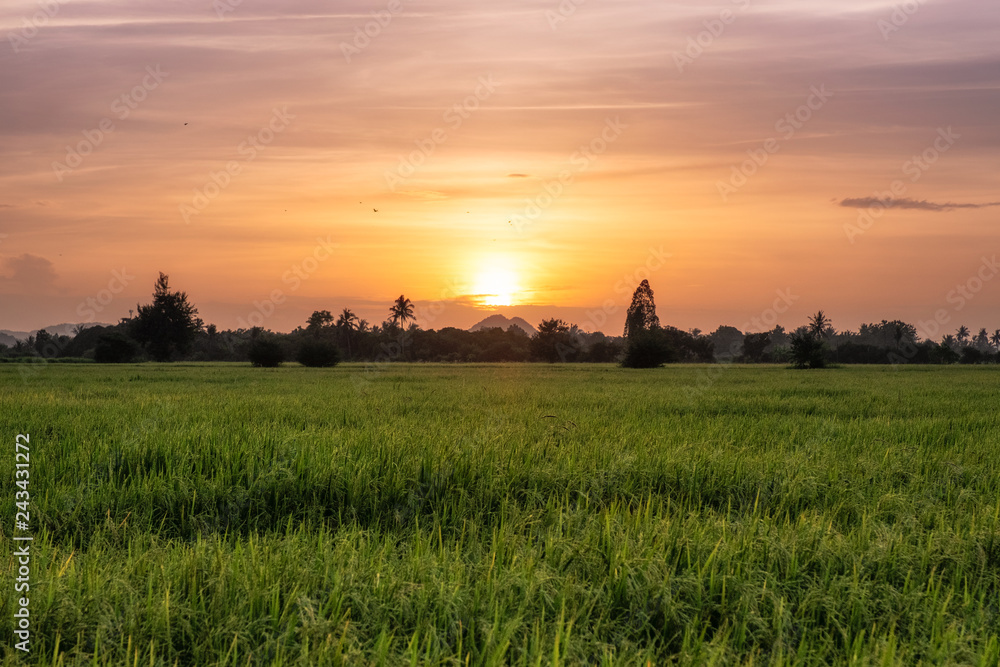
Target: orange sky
point(544, 153)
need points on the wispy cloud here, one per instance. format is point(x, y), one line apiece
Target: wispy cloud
point(907, 203)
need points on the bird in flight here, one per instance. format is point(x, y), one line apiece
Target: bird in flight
point(375, 209)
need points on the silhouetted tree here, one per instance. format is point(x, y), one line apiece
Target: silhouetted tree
point(553, 342)
point(754, 345)
point(808, 349)
point(647, 348)
point(641, 314)
point(115, 348)
point(962, 335)
point(168, 325)
point(819, 325)
point(982, 341)
point(401, 311)
point(265, 352)
point(318, 320)
point(726, 340)
point(346, 323)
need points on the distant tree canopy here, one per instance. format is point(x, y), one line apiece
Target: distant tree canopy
point(166, 327)
point(169, 329)
point(318, 320)
point(115, 348)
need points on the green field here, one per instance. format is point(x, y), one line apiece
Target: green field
point(198, 514)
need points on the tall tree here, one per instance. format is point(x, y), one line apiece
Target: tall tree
point(962, 334)
point(641, 314)
point(319, 320)
point(401, 311)
point(346, 323)
point(168, 325)
point(819, 325)
point(995, 339)
point(982, 340)
point(553, 342)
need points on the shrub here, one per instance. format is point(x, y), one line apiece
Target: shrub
point(318, 354)
point(265, 353)
point(115, 348)
point(808, 351)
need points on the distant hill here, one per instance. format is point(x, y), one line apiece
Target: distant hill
point(498, 321)
point(8, 337)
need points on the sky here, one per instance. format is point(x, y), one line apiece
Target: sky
point(754, 160)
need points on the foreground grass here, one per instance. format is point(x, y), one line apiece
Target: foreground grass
point(523, 514)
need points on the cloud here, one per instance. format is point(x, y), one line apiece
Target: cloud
point(517, 175)
point(907, 203)
point(30, 273)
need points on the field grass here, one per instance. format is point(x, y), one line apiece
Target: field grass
point(200, 514)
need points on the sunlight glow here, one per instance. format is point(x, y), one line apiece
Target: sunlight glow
point(497, 287)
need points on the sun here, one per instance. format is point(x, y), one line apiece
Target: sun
point(496, 287)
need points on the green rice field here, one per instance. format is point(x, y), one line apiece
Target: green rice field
point(218, 514)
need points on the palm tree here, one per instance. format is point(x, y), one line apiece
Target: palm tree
point(819, 324)
point(318, 320)
point(401, 311)
point(982, 340)
point(948, 341)
point(995, 339)
point(962, 334)
point(346, 322)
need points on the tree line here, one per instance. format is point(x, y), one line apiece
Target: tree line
point(169, 329)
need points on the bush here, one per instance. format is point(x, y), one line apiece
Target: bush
point(318, 354)
point(265, 353)
point(808, 350)
point(115, 348)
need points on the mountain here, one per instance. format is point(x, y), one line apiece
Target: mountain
point(8, 337)
point(501, 322)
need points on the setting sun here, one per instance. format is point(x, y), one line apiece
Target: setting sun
point(497, 287)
